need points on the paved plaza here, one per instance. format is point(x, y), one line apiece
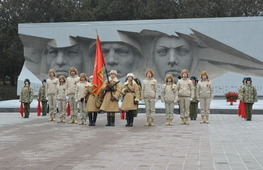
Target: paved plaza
point(228, 142)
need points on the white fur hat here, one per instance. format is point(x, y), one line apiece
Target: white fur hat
point(113, 72)
point(130, 75)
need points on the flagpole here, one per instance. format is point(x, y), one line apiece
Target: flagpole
point(105, 68)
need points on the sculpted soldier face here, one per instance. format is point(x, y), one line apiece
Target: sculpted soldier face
point(119, 57)
point(171, 55)
point(61, 59)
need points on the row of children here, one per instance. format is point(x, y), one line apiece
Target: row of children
point(77, 91)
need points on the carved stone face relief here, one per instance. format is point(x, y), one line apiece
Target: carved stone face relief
point(61, 59)
point(171, 55)
point(119, 57)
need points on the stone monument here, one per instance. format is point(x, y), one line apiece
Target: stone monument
point(224, 47)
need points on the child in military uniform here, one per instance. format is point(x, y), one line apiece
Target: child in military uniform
point(138, 82)
point(241, 106)
point(149, 95)
point(51, 89)
point(26, 97)
point(131, 97)
point(61, 98)
point(93, 103)
point(81, 87)
point(112, 90)
point(72, 81)
point(184, 93)
point(168, 96)
point(42, 97)
point(194, 102)
point(249, 97)
point(205, 92)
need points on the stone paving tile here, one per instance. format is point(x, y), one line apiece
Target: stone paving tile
point(228, 142)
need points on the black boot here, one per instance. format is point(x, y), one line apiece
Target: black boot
point(94, 118)
point(26, 115)
point(108, 121)
point(112, 120)
point(90, 119)
point(131, 119)
point(128, 119)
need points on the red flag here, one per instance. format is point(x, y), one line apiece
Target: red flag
point(97, 80)
point(68, 109)
point(38, 109)
point(242, 110)
point(21, 110)
point(122, 114)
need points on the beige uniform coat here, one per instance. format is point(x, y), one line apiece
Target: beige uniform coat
point(205, 89)
point(91, 100)
point(185, 88)
point(51, 86)
point(107, 104)
point(61, 92)
point(149, 89)
point(168, 93)
point(72, 82)
point(129, 97)
point(81, 87)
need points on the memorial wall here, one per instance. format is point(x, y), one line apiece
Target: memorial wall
point(227, 48)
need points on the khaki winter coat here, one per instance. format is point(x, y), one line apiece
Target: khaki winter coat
point(205, 89)
point(81, 87)
point(185, 88)
point(62, 92)
point(149, 89)
point(107, 104)
point(168, 94)
point(51, 86)
point(92, 100)
point(129, 97)
point(72, 82)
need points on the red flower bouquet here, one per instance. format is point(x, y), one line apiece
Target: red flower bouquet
point(231, 97)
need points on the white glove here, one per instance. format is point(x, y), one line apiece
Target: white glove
point(76, 100)
point(46, 98)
